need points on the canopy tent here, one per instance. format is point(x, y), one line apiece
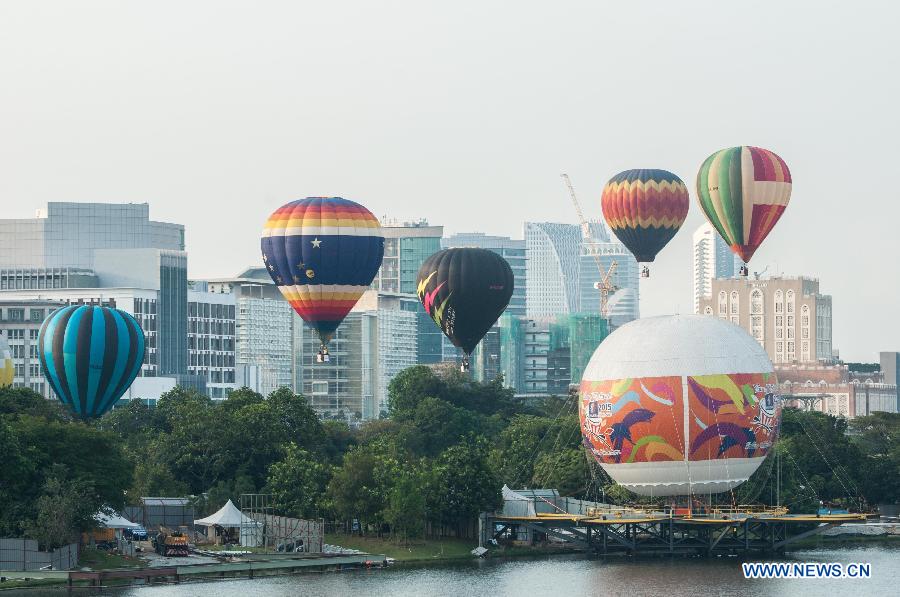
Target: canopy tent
point(229, 517)
point(114, 521)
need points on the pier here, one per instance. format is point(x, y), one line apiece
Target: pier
point(660, 533)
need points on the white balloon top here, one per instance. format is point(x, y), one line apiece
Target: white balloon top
point(676, 345)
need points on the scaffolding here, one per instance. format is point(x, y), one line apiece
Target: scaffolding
point(279, 534)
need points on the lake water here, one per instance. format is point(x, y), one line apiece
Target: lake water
point(560, 575)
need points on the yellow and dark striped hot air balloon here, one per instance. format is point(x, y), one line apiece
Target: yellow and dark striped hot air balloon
point(645, 209)
point(7, 370)
point(743, 191)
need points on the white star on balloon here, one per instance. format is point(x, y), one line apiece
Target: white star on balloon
point(316, 242)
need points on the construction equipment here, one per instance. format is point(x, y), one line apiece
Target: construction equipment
point(605, 285)
point(171, 543)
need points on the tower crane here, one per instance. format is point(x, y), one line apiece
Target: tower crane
point(605, 285)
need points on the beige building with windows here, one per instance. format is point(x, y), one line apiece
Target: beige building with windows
point(788, 316)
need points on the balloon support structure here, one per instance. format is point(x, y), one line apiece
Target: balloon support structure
point(710, 532)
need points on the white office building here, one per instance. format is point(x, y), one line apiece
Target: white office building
point(263, 329)
point(211, 339)
point(713, 259)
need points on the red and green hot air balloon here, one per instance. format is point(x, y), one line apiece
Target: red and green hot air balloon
point(743, 191)
point(645, 209)
point(322, 253)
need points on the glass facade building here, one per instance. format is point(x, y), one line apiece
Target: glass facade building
point(406, 246)
point(65, 235)
point(552, 252)
point(371, 346)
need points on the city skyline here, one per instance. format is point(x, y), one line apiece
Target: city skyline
point(216, 134)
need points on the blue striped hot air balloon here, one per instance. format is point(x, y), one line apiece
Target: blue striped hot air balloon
point(90, 355)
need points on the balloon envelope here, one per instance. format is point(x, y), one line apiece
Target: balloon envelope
point(743, 191)
point(465, 290)
point(322, 253)
point(90, 355)
point(679, 404)
point(7, 369)
point(645, 209)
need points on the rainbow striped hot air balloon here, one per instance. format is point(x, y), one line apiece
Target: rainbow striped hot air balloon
point(645, 209)
point(743, 191)
point(90, 355)
point(322, 253)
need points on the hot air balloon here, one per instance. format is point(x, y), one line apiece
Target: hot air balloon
point(7, 370)
point(743, 191)
point(322, 253)
point(90, 355)
point(644, 209)
point(465, 290)
point(679, 405)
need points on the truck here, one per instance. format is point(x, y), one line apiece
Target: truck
point(170, 543)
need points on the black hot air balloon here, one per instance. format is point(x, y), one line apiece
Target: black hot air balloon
point(465, 290)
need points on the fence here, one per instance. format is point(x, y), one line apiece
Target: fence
point(23, 555)
point(169, 512)
point(283, 533)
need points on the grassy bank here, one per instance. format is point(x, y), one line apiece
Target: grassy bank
point(411, 551)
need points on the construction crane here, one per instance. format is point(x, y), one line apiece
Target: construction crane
point(605, 285)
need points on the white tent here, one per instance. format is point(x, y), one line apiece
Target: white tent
point(230, 517)
point(114, 521)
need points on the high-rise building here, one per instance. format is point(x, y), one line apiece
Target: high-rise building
point(624, 304)
point(263, 327)
point(546, 355)
point(406, 246)
point(789, 317)
point(103, 253)
point(890, 368)
point(373, 344)
point(66, 235)
point(552, 252)
point(713, 258)
point(211, 339)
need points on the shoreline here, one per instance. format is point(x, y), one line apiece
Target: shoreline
point(499, 554)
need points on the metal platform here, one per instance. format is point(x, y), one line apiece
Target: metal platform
point(723, 531)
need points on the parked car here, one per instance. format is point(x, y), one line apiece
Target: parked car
point(138, 533)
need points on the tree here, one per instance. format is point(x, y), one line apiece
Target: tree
point(409, 387)
point(405, 510)
point(463, 484)
point(297, 483)
point(63, 510)
point(517, 448)
point(565, 470)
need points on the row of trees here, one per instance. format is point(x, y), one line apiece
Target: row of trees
point(436, 462)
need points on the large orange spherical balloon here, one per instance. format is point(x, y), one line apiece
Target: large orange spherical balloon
point(679, 405)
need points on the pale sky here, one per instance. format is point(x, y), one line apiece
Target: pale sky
point(465, 113)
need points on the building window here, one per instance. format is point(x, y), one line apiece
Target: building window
point(779, 347)
point(790, 332)
point(723, 303)
point(779, 332)
point(779, 321)
point(756, 302)
point(708, 311)
point(735, 303)
point(790, 321)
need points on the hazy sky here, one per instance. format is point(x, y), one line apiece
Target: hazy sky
point(465, 113)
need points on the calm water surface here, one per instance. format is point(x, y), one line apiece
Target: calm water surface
point(559, 575)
